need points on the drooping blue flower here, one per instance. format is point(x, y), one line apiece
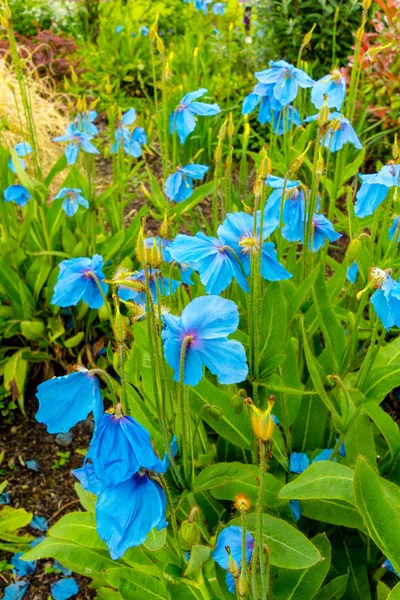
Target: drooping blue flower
point(78, 140)
point(388, 565)
point(83, 122)
point(295, 507)
point(219, 8)
point(22, 149)
point(182, 120)
point(352, 272)
point(119, 28)
point(285, 119)
point(18, 194)
point(167, 287)
point(66, 400)
point(374, 189)
point(323, 230)
point(22, 568)
point(293, 215)
point(179, 186)
point(16, 591)
point(231, 537)
point(214, 261)
point(339, 133)
point(394, 228)
point(39, 523)
point(64, 589)
point(130, 137)
point(144, 31)
point(119, 448)
point(184, 269)
point(298, 462)
point(75, 282)
point(386, 299)
point(73, 199)
point(88, 479)
point(333, 86)
point(273, 204)
point(270, 107)
point(286, 80)
point(205, 323)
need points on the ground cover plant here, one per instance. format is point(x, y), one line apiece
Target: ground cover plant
point(206, 272)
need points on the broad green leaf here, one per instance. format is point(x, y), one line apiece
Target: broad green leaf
point(33, 330)
point(37, 275)
point(87, 499)
point(198, 556)
point(304, 584)
point(334, 590)
point(287, 405)
point(156, 539)
point(135, 586)
point(15, 371)
point(321, 480)
point(18, 293)
point(198, 196)
point(395, 593)
point(74, 340)
point(113, 244)
point(186, 589)
point(385, 374)
point(382, 591)
point(273, 329)
point(380, 517)
point(352, 168)
point(78, 527)
point(296, 300)
point(104, 593)
point(386, 425)
point(12, 519)
point(360, 440)
point(335, 512)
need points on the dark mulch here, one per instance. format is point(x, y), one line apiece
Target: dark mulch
point(49, 493)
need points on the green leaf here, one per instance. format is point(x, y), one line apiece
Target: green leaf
point(335, 589)
point(78, 527)
point(395, 593)
point(198, 196)
point(60, 165)
point(18, 293)
point(304, 584)
point(300, 294)
point(186, 590)
point(322, 480)
point(33, 330)
point(14, 374)
point(360, 440)
point(156, 539)
point(157, 197)
point(87, 499)
point(12, 519)
point(134, 586)
point(335, 512)
point(112, 245)
point(382, 591)
point(74, 340)
point(37, 275)
point(385, 374)
point(379, 514)
point(352, 169)
point(104, 593)
point(273, 329)
point(386, 425)
point(198, 556)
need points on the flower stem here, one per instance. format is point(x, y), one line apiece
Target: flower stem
point(186, 443)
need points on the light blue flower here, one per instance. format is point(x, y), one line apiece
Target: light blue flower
point(285, 119)
point(184, 269)
point(263, 94)
point(75, 282)
point(22, 149)
point(67, 400)
point(202, 5)
point(286, 80)
point(231, 537)
point(219, 8)
point(182, 119)
point(16, 591)
point(179, 186)
point(333, 86)
point(339, 133)
point(374, 189)
point(167, 287)
point(324, 455)
point(83, 122)
point(352, 272)
point(298, 462)
point(208, 320)
point(78, 140)
point(323, 229)
point(73, 199)
point(144, 30)
point(39, 523)
point(293, 215)
point(129, 137)
point(386, 299)
point(388, 565)
point(64, 589)
point(119, 28)
point(18, 194)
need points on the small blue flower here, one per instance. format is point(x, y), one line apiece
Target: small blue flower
point(295, 507)
point(286, 80)
point(22, 149)
point(83, 122)
point(231, 537)
point(66, 400)
point(374, 189)
point(78, 140)
point(388, 565)
point(342, 450)
point(394, 228)
point(333, 86)
point(352, 272)
point(73, 199)
point(144, 31)
point(386, 299)
point(262, 94)
point(18, 194)
point(16, 591)
point(182, 119)
point(208, 320)
point(202, 5)
point(273, 204)
point(22, 568)
point(179, 186)
point(298, 462)
point(64, 589)
point(75, 282)
point(129, 137)
point(167, 287)
point(39, 523)
point(340, 132)
point(219, 8)
point(119, 28)
point(185, 270)
point(323, 229)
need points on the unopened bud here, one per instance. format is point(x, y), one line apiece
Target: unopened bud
point(307, 38)
point(160, 45)
point(153, 255)
point(222, 130)
point(237, 404)
point(323, 113)
point(119, 329)
point(366, 4)
point(74, 76)
point(320, 166)
point(141, 250)
point(298, 161)
point(241, 585)
point(215, 412)
point(231, 126)
point(353, 250)
point(218, 152)
point(242, 502)
point(196, 52)
point(164, 227)
point(193, 514)
point(262, 422)
point(67, 85)
point(189, 534)
point(265, 169)
point(395, 148)
point(258, 187)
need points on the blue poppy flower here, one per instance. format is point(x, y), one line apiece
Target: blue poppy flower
point(323, 229)
point(78, 140)
point(214, 261)
point(352, 272)
point(284, 119)
point(231, 537)
point(295, 507)
point(298, 462)
point(388, 565)
point(83, 122)
point(119, 28)
point(273, 204)
point(219, 8)
point(16, 591)
point(167, 287)
point(374, 189)
point(66, 400)
point(22, 149)
point(184, 269)
point(88, 478)
point(202, 5)
point(339, 133)
point(22, 568)
point(394, 228)
point(293, 215)
point(333, 86)
point(182, 119)
point(286, 80)
point(64, 589)
point(386, 299)
point(262, 94)
point(179, 186)
point(18, 194)
point(119, 448)
point(144, 30)
point(75, 282)
point(208, 320)
point(73, 199)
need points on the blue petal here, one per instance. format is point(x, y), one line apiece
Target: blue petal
point(298, 462)
point(39, 523)
point(22, 567)
point(231, 537)
point(64, 589)
point(16, 591)
point(295, 508)
point(249, 103)
point(71, 153)
point(271, 268)
point(18, 194)
point(324, 455)
point(74, 282)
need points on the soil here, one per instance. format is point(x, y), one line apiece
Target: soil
point(49, 493)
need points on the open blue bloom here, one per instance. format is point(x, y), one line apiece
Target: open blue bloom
point(18, 194)
point(83, 122)
point(129, 137)
point(205, 323)
point(78, 140)
point(231, 537)
point(22, 568)
point(134, 142)
point(73, 199)
point(295, 507)
point(323, 229)
point(144, 31)
point(374, 189)
point(214, 261)
point(66, 400)
point(64, 589)
point(352, 272)
point(394, 228)
point(184, 269)
point(333, 86)
point(293, 215)
point(339, 133)
point(388, 565)
point(119, 448)
point(179, 186)
point(119, 28)
point(22, 149)
point(237, 232)
point(273, 204)
point(219, 8)
point(75, 282)
point(182, 120)
point(298, 462)
point(284, 119)
point(88, 479)
point(386, 299)
point(167, 287)
point(16, 591)
point(286, 80)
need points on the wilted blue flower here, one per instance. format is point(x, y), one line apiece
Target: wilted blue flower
point(33, 465)
point(333, 86)
point(352, 272)
point(75, 282)
point(16, 591)
point(214, 261)
point(119, 28)
point(64, 589)
point(205, 323)
point(295, 507)
point(219, 8)
point(119, 448)
point(22, 567)
point(144, 30)
point(182, 119)
point(21, 149)
point(298, 462)
point(231, 537)
point(66, 400)
point(39, 523)
point(179, 186)
point(323, 229)
point(286, 80)
point(386, 299)
point(167, 287)
point(339, 133)
point(374, 189)
point(78, 140)
point(388, 565)
point(18, 194)
point(73, 198)
point(394, 228)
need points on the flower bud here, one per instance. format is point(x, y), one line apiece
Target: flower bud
point(298, 161)
point(241, 585)
point(258, 187)
point(308, 36)
point(215, 412)
point(242, 502)
point(218, 152)
point(395, 148)
point(160, 45)
point(231, 126)
point(353, 250)
point(237, 404)
point(320, 166)
point(265, 165)
point(141, 250)
point(189, 534)
point(222, 130)
point(153, 255)
point(366, 4)
point(323, 113)
point(74, 76)
point(164, 227)
point(119, 328)
point(196, 52)
point(262, 422)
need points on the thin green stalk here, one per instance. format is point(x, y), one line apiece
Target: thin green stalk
point(108, 381)
point(172, 515)
point(259, 528)
point(368, 360)
point(185, 443)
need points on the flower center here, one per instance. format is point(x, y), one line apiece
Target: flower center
point(249, 244)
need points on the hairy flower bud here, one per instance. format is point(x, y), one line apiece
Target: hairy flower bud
point(189, 534)
point(242, 502)
point(353, 250)
point(262, 422)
